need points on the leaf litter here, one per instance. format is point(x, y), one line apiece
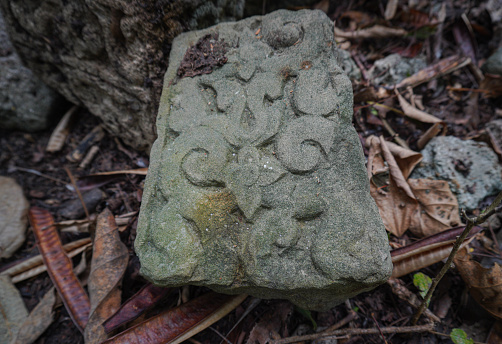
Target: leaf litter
point(446, 68)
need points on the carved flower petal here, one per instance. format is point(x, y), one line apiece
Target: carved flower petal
point(270, 170)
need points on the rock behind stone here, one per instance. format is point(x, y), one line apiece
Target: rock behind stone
point(26, 103)
point(13, 216)
point(471, 168)
point(257, 181)
point(109, 55)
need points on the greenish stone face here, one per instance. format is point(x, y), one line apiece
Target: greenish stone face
point(257, 181)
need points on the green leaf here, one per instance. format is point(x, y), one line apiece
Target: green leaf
point(306, 313)
point(459, 336)
point(422, 282)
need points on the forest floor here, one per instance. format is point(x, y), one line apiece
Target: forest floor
point(461, 97)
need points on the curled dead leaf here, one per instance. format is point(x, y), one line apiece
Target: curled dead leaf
point(485, 284)
point(427, 251)
point(59, 267)
point(108, 265)
point(412, 112)
point(176, 325)
point(145, 298)
point(395, 203)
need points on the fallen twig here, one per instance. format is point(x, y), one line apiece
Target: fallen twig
point(358, 331)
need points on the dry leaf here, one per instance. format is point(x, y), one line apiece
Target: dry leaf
point(177, 325)
point(108, 265)
point(38, 320)
point(12, 310)
point(58, 136)
point(415, 113)
point(432, 132)
point(406, 158)
point(423, 206)
point(440, 68)
point(438, 207)
point(35, 265)
point(427, 251)
point(59, 267)
point(395, 203)
point(493, 85)
point(390, 9)
point(485, 285)
point(271, 325)
point(148, 296)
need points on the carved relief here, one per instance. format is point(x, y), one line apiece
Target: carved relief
point(253, 158)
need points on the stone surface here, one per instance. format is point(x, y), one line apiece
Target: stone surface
point(257, 181)
point(109, 55)
point(471, 168)
point(13, 216)
point(394, 68)
point(26, 103)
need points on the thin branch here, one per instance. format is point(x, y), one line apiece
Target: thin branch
point(359, 331)
point(471, 222)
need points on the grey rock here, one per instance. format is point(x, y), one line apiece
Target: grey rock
point(257, 181)
point(348, 65)
point(471, 168)
point(26, 103)
point(493, 64)
point(109, 56)
point(74, 209)
point(394, 68)
point(13, 216)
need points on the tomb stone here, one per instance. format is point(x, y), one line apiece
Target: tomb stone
point(257, 181)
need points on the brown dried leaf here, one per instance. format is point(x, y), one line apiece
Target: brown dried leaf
point(440, 68)
point(376, 31)
point(495, 335)
point(432, 132)
point(427, 251)
point(148, 296)
point(271, 325)
point(415, 113)
point(176, 325)
point(38, 320)
point(438, 207)
point(416, 18)
point(396, 203)
point(406, 159)
point(485, 285)
point(493, 85)
point(59, 267)
point(108, 265)
point(58, 136)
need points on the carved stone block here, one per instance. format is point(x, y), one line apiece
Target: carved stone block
point(257, 181)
